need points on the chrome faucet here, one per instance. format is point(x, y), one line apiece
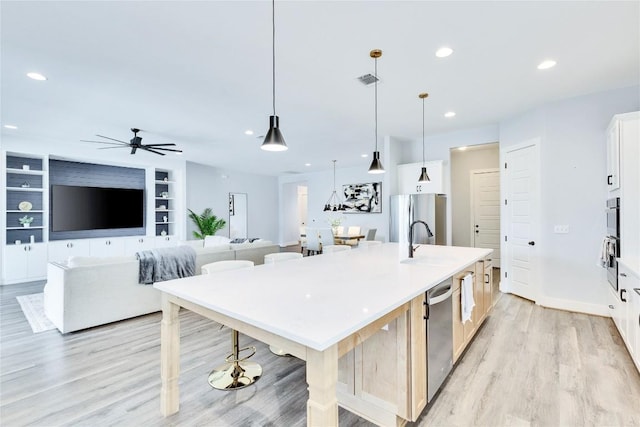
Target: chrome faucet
point(429, 233)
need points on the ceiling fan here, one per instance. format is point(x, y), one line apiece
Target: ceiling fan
point(135, 143)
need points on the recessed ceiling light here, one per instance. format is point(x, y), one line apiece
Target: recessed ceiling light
point(364, 155)
point(248, 132)
point(462, 148)
point(449, 114)
point(11, 126)
point(546, 64)
point(36, 76)
point(443, 52)
point(307, 164)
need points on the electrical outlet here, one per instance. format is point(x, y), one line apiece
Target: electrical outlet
point(561, 229)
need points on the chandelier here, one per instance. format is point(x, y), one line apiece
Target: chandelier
point(334, 203)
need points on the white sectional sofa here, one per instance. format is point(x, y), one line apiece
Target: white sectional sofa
point(90, 291)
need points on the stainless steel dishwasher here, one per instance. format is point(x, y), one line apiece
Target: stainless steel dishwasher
point(439, 320)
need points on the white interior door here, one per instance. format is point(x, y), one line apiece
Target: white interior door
point(238, 216)
point(485, 211)
point(521, 211)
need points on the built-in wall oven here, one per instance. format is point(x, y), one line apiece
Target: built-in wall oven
point(613, 244)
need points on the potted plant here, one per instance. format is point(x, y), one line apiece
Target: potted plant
point(26, 221)
point(208, 224)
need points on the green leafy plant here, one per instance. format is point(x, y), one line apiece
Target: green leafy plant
point(26, 220)
point(208, 224)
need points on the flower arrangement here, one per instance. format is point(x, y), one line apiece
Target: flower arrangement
point(335, 221)
point(26, 221)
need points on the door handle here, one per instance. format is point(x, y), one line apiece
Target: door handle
point(477, 231)
point(623, 274)
point(609, 179)
point(621, 297)
point(486, 275)
point(532, 243)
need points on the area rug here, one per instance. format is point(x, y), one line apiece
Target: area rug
point(33, 308)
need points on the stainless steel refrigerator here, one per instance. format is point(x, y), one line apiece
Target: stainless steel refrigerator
point(430, 208)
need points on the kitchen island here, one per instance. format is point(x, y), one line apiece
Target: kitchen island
point(320, 309)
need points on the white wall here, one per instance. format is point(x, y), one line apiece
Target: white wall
point(573, 191)
point(486, 156)
point(438, 147)
point(209, 187)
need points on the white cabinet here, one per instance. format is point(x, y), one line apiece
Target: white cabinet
point(137, 244)
point(408, 175)
point(166, 241)
point(25, 262)
point(628, 281)
point(635, 323)
point(108, 246)
point(613, 156)
point(629, 131)
point(61, 250)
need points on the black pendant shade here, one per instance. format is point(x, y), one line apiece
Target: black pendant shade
point(424, 177)
point(376, 164)
point(274, 141)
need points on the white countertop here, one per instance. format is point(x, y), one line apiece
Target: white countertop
point(319, 300)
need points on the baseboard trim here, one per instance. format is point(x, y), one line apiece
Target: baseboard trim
point(574, 306)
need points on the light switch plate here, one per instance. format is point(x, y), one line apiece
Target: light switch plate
point(561, 229)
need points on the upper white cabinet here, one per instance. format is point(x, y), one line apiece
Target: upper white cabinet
point(613, 155)
point(629, 182)
point(408, 175)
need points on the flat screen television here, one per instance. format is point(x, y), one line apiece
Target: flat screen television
point(76, 208)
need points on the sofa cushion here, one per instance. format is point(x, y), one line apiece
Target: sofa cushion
point(215, 241)
point(79, 261)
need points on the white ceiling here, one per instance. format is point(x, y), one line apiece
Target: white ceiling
point(199, 73)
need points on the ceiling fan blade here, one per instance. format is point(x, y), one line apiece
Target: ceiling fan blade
point(104, 142)
point(113, 139)
point(109, 148)
point(157, 145)
point(133, 149)
point(153, 151)
point(164, 149)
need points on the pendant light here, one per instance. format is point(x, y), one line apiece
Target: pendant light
point(423, 174)
point(376, 164)
point(334, 203)
point(274, 141)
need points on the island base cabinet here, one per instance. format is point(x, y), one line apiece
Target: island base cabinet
point(483, 298)
point(384, 378)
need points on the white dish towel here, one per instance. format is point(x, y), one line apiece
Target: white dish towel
point(467, 297)
point(604, 249)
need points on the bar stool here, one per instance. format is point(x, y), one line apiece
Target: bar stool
point(273, 259)
point(281, 256)
point(236, 373)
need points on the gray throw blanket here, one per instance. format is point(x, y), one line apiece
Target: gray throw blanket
point(157, 265)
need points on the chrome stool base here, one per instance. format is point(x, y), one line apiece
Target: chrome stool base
point(235, 375)
point(278, 351)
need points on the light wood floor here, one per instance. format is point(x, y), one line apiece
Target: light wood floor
point(527, 366)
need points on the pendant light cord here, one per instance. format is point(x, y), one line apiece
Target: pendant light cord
point(376, 99)
point(273, 41)
point(334, 176)
point(422, 131)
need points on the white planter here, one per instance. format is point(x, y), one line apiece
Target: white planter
point(26, 225)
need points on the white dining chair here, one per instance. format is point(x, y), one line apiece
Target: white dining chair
point(235, 373)
point(313, 241)
point(354, 230)
point(326, 237)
